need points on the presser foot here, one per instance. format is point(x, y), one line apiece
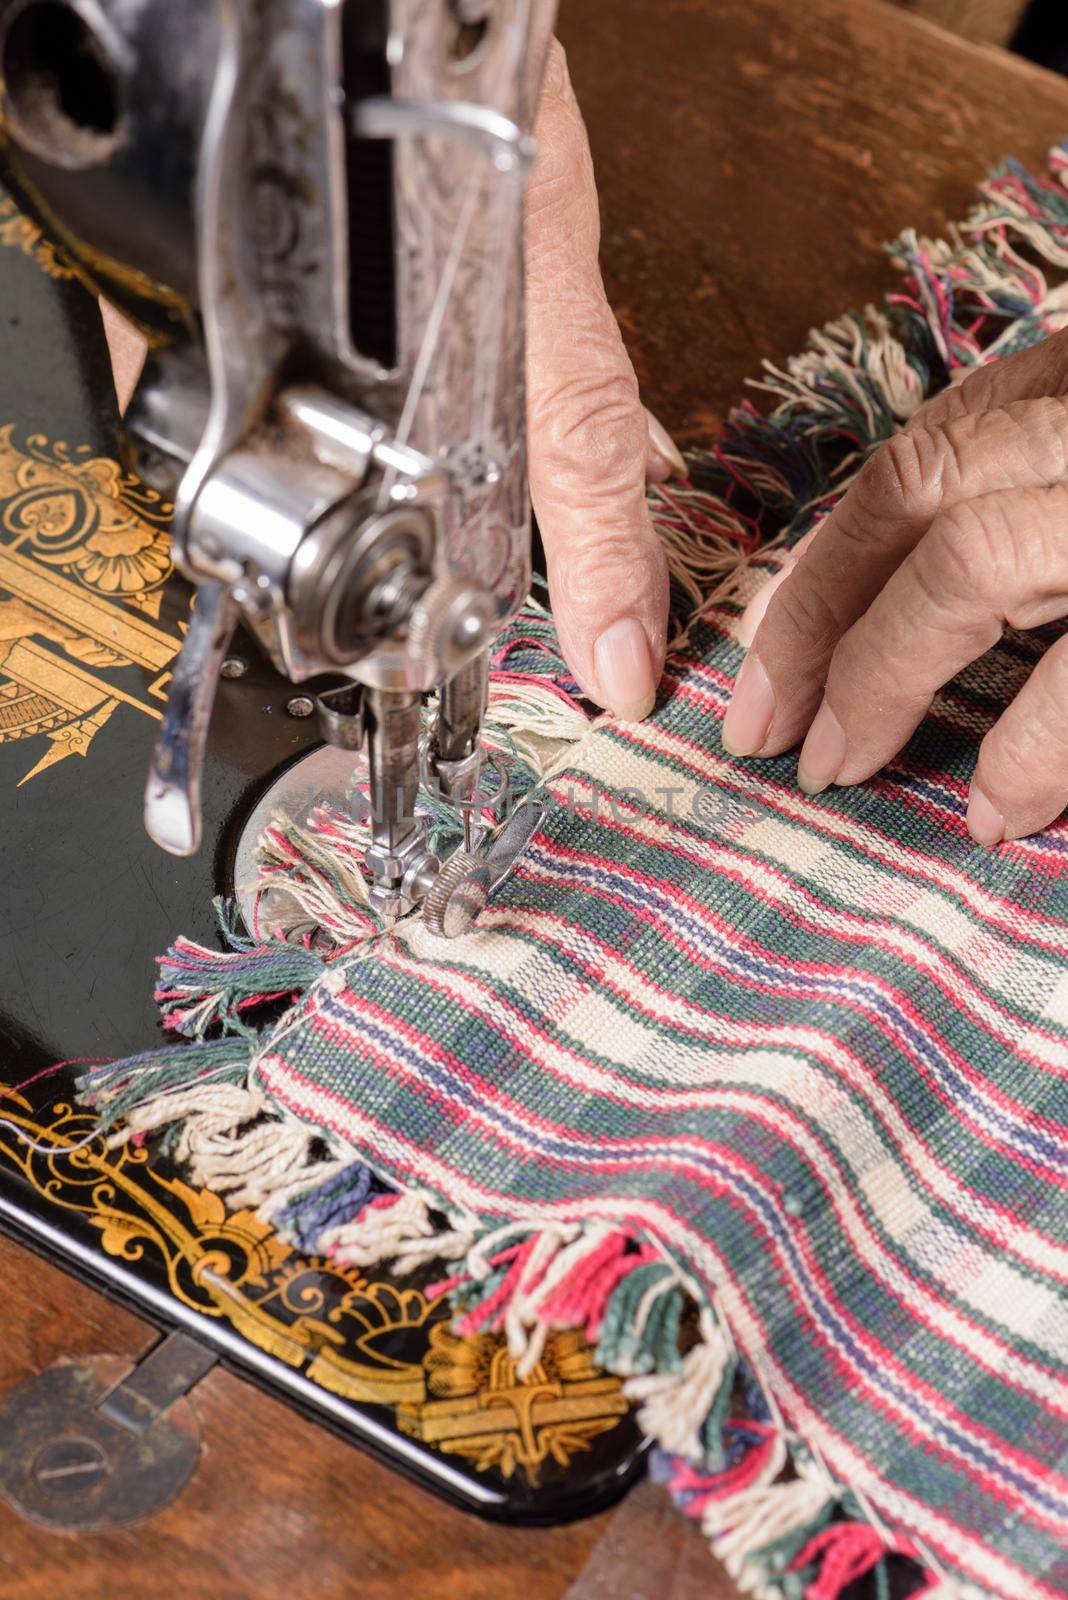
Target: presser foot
point(452, 892)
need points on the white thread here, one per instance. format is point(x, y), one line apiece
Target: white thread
point(404, 1232)
point(674, 1406)
point(761, 1515)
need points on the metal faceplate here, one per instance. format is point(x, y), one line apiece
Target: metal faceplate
point(337, 402)
point(93, 621)
point(292, 146)
point(95, 1444)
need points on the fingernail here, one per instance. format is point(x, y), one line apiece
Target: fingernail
point(665, 458)
point(748, 719)
point(985, 822)
point(823, 752)
point(753, 615)
point(624, 667)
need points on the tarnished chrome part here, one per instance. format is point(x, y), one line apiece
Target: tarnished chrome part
point(512, 840)
point(172, 794)
point(343, 716)
point(461, 710)
point(458, 895)
point(453, 757)
point(328, 777)
point(336, 391)
point(398, 857)
point(343, 437)
point(510, 150)
point(352, 583)
point(238, 352)
point(460, 276)
point(466, 881)
point(450, 625)
point(167, 416)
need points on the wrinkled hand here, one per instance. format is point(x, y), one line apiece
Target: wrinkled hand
point(956, 528)
point(592, 445)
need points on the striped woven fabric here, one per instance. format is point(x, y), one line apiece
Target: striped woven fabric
point(814, 1049)
point(800, 1063)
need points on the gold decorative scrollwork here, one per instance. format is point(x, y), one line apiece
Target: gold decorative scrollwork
point(84, 556)
point(365, 1339)
point(479, 1408)
point(19, 233)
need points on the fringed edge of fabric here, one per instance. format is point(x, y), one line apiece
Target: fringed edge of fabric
point(774, 1513)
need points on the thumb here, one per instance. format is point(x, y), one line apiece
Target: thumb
point(589, 438)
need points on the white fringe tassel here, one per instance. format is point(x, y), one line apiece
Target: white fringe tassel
point(674, 1406)
point(403, 1233)
point(260, 1166)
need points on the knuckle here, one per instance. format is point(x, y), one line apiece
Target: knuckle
point(954, 441)
point(802, 613)
point(1043, 731)
point(872, 666)
point(899, 477)
point(592, 420)
point(962, 556)
point(1038, 430)
point(1023, 758)
point(1008, 769)
point(609, 566)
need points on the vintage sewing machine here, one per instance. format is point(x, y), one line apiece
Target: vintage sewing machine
point(314, 209)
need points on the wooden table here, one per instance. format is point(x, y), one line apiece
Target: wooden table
point(753, 156)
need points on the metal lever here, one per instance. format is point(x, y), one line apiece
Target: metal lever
point(92, 1445)
point(508, 147)
point(167, 1373)
point(172, 794)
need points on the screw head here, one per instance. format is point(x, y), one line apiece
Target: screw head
point(233, 667)
point(301, 705)
point(67, 1467)
point(450, 622)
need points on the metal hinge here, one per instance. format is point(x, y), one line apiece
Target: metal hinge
point(92, 1444)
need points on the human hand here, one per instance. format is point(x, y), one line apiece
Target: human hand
point(954, 529)
point(592, 446)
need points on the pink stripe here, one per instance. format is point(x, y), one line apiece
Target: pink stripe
point(702, 916)
point(547, 924)
point(487, 1092)
point(850, 1374)
point(975, 1559)
point(490, 1093)
point(1024, 924)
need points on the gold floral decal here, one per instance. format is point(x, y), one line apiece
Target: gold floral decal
point(84, 556)
point(19, 233)
point(368, 1341)
point(489, 1416)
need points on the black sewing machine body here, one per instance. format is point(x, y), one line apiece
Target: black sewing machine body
point(93, 620)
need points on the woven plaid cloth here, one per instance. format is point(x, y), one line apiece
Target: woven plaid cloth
point(802, 1063)
point(814, 1049)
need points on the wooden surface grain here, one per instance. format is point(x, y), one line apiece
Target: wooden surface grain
point(279, 1509)
point(993, 21)
point(753, 156)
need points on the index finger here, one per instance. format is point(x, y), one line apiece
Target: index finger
point(918, 474)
